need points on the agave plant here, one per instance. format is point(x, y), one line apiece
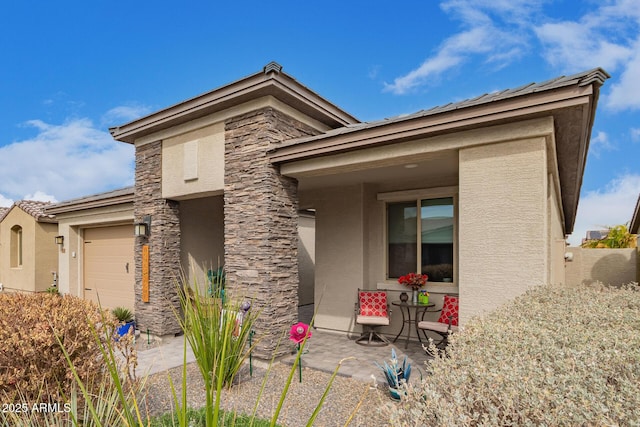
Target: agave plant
point(395, 372)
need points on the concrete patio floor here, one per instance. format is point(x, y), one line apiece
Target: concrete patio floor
point(324, 351)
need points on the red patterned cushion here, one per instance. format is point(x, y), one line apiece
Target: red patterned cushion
point(373, 303)
point(449, 308)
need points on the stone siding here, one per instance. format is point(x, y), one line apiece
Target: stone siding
point(164, 245)
point(261, 220)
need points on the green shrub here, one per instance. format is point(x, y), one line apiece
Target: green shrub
point(555, 356)
point(123, 314)
point(33, 367)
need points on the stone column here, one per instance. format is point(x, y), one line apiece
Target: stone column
point(260, 224)
point(157, 315)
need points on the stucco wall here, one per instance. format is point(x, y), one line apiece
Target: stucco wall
point(46, 255)
point(306, 258)
point(339, 256)
point(193, 162)
point(557, 242)
point(609, 266)
point(70, 226)
point(39, 253)
point(202, 237)
point(502, 223)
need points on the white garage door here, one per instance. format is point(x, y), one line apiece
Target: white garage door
point(109, 269)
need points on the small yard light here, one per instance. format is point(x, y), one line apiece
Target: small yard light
point(142, 229)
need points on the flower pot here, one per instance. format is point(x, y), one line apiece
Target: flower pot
point(414, 296)
point(124, 329)
point(423, 299)
point(394, 393)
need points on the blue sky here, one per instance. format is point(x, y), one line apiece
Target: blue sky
point(71, 69)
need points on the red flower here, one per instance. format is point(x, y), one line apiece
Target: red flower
point(298, 332)
point(413, 280)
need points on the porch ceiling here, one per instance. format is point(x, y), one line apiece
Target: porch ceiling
point(433, 167)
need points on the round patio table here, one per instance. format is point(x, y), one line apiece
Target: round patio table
point(406, 308)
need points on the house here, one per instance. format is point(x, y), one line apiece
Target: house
point(28, 251)
point(595, 235)
point(96, 255)
point(480, 193)
point(96, 259)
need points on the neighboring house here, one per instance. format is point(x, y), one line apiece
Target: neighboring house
point(96, 258)
point(595, 235)
point(28, 252)
point(480, 193)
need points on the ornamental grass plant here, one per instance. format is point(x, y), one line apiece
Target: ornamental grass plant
point(555, 356)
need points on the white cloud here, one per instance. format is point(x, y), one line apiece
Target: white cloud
point(573, 46)
point(5, 202)
point(635, 134)
point(41, 197)
point(498, 32)
point(64, 161)
point(599, 143)
point(124, 113)
point(612, 205)
point(625, 93)
point(482, 37)
point(606, 37)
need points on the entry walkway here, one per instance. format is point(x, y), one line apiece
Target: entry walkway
point(324, 351)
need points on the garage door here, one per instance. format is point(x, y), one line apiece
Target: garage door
point(109, 269)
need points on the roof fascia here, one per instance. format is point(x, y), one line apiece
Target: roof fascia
point(268, 82)
point(78, 205)
point(448, 121)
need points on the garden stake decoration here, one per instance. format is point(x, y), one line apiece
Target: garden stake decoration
point(298, 334)
point(395, 373)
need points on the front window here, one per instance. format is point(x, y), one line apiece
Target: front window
point(16, 246)
point(422, 242)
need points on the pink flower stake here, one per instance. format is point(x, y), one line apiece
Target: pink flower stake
point(297, 334)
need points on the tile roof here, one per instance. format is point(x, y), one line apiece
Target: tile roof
point(36, 210)
point(3, 212)
point(584, 78)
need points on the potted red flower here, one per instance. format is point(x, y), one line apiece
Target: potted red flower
point(415, 281)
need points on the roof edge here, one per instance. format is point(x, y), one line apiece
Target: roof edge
point(109, 198)
point(271, 80)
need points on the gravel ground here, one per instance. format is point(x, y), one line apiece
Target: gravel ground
point(346, 396)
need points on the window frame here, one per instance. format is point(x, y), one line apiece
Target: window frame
point(417, 196)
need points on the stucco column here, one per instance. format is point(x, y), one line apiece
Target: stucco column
point(157, 315)
point(260, 224)
point(503, 223)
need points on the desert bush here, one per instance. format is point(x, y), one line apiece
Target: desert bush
point(33, 366)
point(555, 356)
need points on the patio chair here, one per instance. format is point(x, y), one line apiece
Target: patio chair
point(372, 312)
point(446, 324)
